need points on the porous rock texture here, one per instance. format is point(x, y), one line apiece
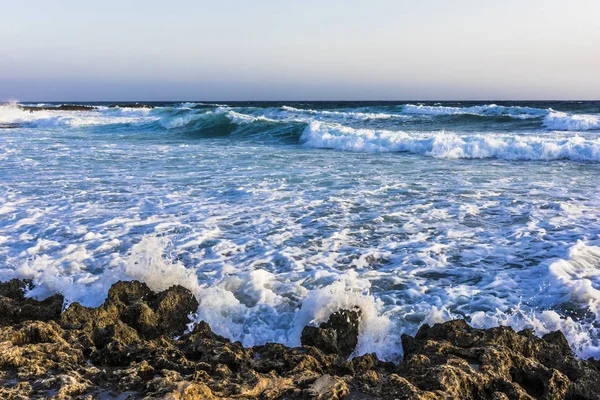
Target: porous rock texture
point(135, 345)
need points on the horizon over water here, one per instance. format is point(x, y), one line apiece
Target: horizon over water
point(277, 213)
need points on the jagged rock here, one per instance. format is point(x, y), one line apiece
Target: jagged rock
point(150, 314)
point(339, 335)
point(473, 363)
point(15, 307)
point(129, 347)
point(15, 288)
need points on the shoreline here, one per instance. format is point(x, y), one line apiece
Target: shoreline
point(135, 345)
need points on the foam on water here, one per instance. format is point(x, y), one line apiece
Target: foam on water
point(566, 122)
point(271, 235)
point(184, 114)
point(450, 145)
point(76, 119)
point(482, 110)
point(342, 114)
point(256, 308)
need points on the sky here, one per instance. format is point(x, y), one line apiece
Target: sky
point(299, 50)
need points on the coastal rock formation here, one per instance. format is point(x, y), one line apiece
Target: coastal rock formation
point(15, 307)
point(135, 306)
point(137, 345)
point(62, 107)
point(339, 335)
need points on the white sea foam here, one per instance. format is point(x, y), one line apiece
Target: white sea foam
point(357, 115)
point(255, 307)
point(577, 278)
point(148, 264)
point(272, 237)
point(572, 122)
point(179, 121)
point(240, 118)
point(483, 110)
point(14, 114)
point(377, 332)
point(184, 114)
point(450, 145)
point(188, 105)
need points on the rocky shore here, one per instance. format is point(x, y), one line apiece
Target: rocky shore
point(62, 107)
point(137, 345)
point(79, 107)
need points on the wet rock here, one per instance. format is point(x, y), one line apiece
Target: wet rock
point(15, 307)
point(62, 107)
point(339, 335)
point(130, 347)
point(150, 314)
point(473, 363)
point(15, 288)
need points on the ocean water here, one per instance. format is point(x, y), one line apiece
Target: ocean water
point(277, 214)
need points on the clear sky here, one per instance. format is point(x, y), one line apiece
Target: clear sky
point(299, 50)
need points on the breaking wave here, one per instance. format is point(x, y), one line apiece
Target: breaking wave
point(561, 121)
point(390, 128)
point(451, 145)
point(344, 115)
point(255, 307)
point(483, 110)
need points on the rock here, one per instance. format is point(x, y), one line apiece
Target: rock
point(15, 307)
point(150, 314)
point(172, 308)
point(472, 363)
point(15, 288)
point(339, 335)
point(130, 346)
point(328, 387)
point(62, 107)
point(189, 391)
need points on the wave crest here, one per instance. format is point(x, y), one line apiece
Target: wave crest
point(450, 145)
point(571, 122)
point(483, 110)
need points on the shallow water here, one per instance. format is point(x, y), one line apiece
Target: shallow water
point(277, 214)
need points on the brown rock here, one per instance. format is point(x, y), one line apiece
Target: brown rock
point(129, 346)
point(339, 335)
point(151, 314)
point(328, 387)
point(15, 307)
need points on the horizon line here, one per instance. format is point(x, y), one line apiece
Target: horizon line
point(295, 101)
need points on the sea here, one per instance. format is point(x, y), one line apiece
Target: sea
point(276, 214)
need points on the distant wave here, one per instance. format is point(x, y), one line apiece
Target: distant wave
point(344, 114)
point(571, 122)
point(483, 110)
point(196, 116)
point(450, 145)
